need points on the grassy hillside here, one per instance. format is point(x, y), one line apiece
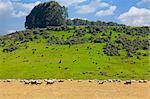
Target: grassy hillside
point(74, 52)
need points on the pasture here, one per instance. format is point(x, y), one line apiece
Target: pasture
point(78, 61)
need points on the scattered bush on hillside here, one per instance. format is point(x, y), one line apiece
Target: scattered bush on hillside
point(111, 50)
point(58, 28)
point(131, 46)
point(101, 40)
point(2, 43)
point(139, 31)
point(10, 49)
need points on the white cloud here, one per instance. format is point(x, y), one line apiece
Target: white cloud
point(91, 7)
point(144, 1)
point(5, 8)
point(23, 9)
point(78, 18)
point(20, 14)
point(13, 9)
point(107, 12)
point(11, 12)
point(25, 6)
point(97, 6)
point(136, 17)
point(11, 31)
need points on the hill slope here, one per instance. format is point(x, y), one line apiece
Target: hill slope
point(79, 52)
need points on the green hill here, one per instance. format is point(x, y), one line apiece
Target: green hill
point(77, 52)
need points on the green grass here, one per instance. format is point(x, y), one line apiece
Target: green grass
point(23, 64)
point(30, 65)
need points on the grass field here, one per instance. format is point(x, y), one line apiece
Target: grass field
point(76, 62)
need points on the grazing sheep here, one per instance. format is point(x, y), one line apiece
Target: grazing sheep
point(114, 80)
point(128, 82)
point(133, 81)
point(100, 82)
point(145, 81)
point(33, 82)
point(38, 82)
point(110, 80)
point(142, 81)
point(79, 81)
point(60, 80)
point(50, 82)
point(90, 81)
point(104, 80)
point(45, 80)
point(70, 79)
point(8, 80)
point(26, 82)
point(21, 81)
point(96, 80)
point(118, 80)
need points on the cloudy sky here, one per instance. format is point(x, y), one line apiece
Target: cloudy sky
point(129, 12)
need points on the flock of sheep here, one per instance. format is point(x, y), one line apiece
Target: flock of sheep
point(52, 81)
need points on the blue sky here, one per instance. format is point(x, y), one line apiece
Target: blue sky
point(129, 12)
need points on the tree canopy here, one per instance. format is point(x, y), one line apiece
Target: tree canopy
point(46, 14)
point(82, 22)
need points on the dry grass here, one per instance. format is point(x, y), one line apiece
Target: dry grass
point(74, 90)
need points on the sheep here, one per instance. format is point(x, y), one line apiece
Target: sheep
point(90, 81)
point(70, 79)
point(49, 82)
point(45, 80)
point(33, 82)
point(38, 82)
point(133, 81)
point(118, 80)
point(21, 81)
point(100, 82)
point(145, 81)
point(8, 80)
point(127, 82)
point(142, 81)
point(110, 80)
point(60, 80)
point(79, 81)
point(114, 80)
point(26, 82)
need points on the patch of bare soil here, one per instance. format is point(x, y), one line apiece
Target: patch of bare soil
point(74, 90)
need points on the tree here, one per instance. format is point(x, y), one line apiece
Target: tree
point(46, 14)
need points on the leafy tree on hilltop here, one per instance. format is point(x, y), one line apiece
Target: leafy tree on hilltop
point(46, 14)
